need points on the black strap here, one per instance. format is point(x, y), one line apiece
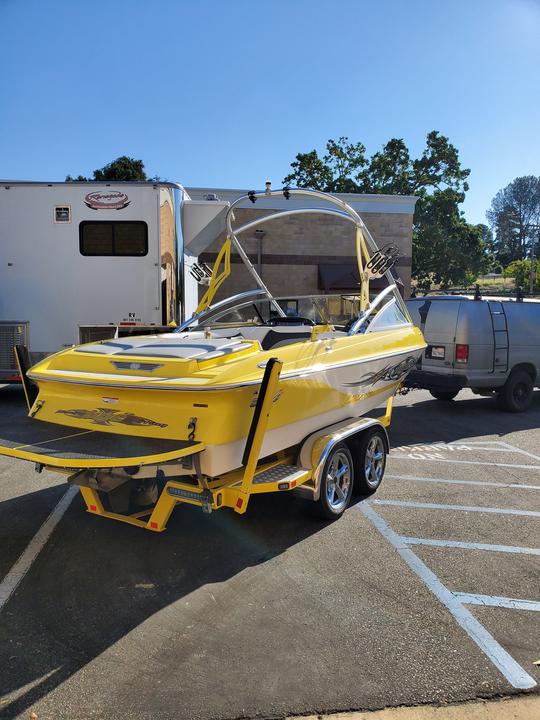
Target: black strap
point(258, 408)
point(22, 357)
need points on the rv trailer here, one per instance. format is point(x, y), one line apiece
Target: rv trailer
point(87, 261)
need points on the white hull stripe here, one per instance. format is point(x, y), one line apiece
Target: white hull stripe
point(293, 375)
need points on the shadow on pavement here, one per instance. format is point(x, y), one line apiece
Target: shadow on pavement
point(96, 580)
point(429, 420)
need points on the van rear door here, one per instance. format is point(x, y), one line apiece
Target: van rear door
point(437, 319)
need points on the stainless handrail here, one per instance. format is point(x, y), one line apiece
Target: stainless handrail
point(288, 213)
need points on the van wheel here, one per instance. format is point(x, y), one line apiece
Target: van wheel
point(444, 394)
point(371, 461)
point(337, 480)
point(517, 392)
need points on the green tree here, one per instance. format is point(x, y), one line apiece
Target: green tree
point(515, 217)
point(336, 171)
point(520, 270)
point(446, 249)
point(123, 168)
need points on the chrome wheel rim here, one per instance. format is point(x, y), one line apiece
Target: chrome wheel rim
point(374, 462)
point(338, 482)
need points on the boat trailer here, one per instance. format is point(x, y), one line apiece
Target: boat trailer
point(107, 466)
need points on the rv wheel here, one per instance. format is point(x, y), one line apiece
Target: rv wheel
point(516, 394)
point(337, 479)
point(444, 394)
point(371, 461)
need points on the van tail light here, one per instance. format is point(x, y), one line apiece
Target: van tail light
point(462, 353)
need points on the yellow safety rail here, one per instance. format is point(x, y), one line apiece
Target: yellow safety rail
point(362, 257)
point(218, 276)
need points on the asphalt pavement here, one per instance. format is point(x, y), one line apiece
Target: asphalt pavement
point(429, 591)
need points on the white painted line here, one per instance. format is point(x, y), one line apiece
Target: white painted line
point(470, 546)
point(449, 448)
point(520, 450)
point(419, 456)
point(416, 478)
point(34, 547)
point(495, 601)
point(464, 508)
point(506, 664)
point(2, 386)
point(493, 446)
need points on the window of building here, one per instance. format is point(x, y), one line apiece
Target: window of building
point(116, 238)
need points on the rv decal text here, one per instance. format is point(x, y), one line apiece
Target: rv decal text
point(111, 200)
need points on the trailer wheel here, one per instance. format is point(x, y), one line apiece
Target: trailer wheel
point(371, 461)
point(337, 480)
point(444, 394)
point(516, 394)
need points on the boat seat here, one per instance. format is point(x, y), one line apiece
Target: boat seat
point(273, 337)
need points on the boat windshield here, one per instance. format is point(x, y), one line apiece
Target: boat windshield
point(336, 310)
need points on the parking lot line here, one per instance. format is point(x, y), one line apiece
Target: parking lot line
point(444, 481)
point(464, 508)
point(520, 450)
point(460, 447)
point(470, 546)
point(496, 601)
point(506, 664)
point(478, 445)
point(430, 458)
point(34, 547)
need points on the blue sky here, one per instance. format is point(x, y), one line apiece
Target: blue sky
point(226, 93)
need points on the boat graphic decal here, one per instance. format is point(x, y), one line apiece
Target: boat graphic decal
point(276, 397)
point(388, 373)
point(108, 416)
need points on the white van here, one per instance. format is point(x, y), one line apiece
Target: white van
point(488, 344)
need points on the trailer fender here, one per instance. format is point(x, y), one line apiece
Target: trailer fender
point(316, 447)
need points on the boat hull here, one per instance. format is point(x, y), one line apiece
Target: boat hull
point(319, 395)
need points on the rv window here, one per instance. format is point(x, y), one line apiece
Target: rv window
point(113, 238)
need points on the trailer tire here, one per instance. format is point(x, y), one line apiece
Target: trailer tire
point(337, 481)
point(516, 395)
point(445, 395)
point(370, 461)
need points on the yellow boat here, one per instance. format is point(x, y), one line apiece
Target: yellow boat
point(198, 398)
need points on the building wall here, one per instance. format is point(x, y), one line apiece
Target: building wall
point(294, 247)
